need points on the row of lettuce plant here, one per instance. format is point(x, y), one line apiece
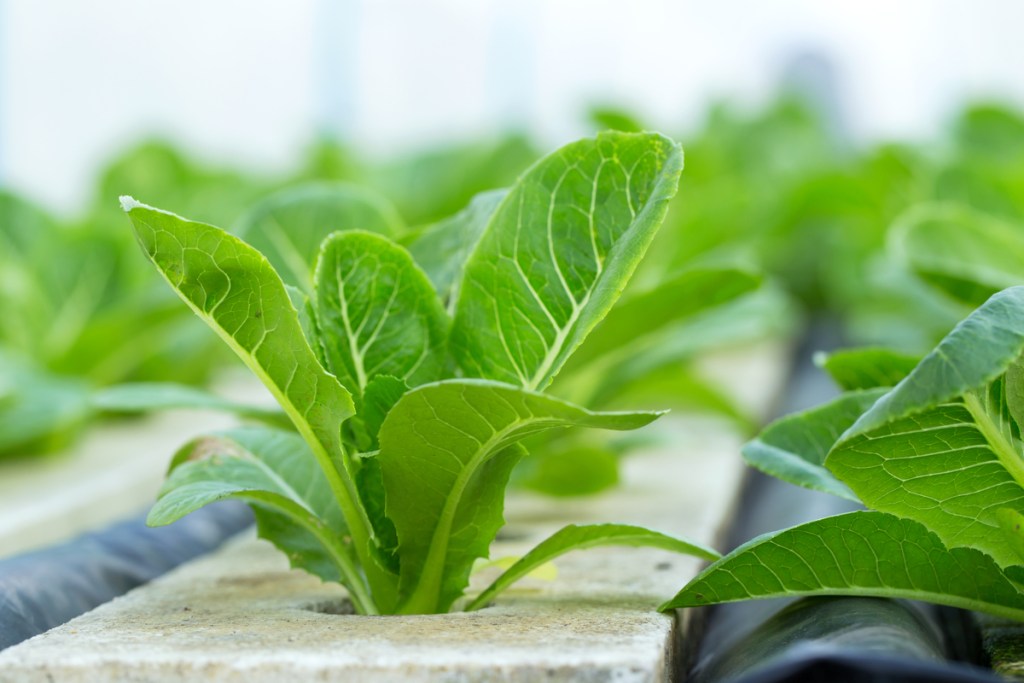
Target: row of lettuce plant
point(411, 388)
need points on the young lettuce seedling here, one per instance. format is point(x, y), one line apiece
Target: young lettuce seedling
point(409, 413)
point(938, 459)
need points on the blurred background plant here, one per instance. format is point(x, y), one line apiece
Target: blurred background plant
point(807, 193)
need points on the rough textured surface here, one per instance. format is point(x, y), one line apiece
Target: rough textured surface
point(1003, 641)
point(241, 615)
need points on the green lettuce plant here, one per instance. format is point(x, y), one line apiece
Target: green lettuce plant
point(939, 461)
point(409, 409)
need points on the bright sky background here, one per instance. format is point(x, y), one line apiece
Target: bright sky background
point(250, 81)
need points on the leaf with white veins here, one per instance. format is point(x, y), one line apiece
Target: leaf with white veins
point(377, 312)
point(558, 252)
point(871, 554)
point(235, 291)
point(446, 450)
point(942, 447)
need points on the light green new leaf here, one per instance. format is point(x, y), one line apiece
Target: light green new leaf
point(235, 291)
point(558, 252)
point(274, 471)
point(966, 253)
point(377, 312)
point(942, 447)
point(141, 397)
point(441, 249)
point(866, 368)
point(288, 226)
point(871, 554)
point(446, 451)
point(794, 447)
point(574, 537)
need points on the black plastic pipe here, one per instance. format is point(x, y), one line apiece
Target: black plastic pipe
point(45, 588)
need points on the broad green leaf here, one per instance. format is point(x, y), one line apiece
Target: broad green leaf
point(274, 471)
point(794, 448)
point(866, 368)
point(941, 447)
point(870, 554)
point(377, 313)
point(288, 226)
point(441, 249)
point(682, 297)
point(149, 396)
point(968, 254)
point(557, 253)
point(574, 537)
point(235, 291)
point(446, 450)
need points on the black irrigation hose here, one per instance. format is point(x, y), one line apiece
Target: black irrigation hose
point(45, 588)
point(854, 640)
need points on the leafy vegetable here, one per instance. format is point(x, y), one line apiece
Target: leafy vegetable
point(395, 483)
point(939, 457)
point(525, 304)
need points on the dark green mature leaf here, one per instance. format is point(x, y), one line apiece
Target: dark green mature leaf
point(859, 553)
point(794, 448)
point(968, 254)
point(574, 537)
point(276, 472)
point(441, 249)
point(446, 450)
point(140, 397)
point(942, 447)
point(235, 291)
point(377, 312)
point(558, 252)
point(288, 226)
point(866, 368)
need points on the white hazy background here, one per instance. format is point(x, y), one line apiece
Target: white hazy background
point(250, 82)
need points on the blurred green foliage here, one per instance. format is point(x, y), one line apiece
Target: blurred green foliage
point(830, 228)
